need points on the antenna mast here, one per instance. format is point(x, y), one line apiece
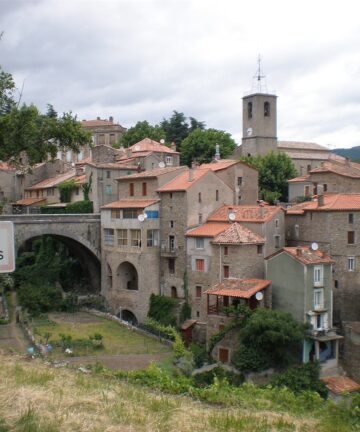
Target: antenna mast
point(259, 83)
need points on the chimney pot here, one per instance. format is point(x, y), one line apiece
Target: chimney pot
point(191, 176)
point(111, 119)
point(320, 200)
point(97, 118)
point(298, 251)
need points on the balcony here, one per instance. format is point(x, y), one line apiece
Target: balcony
point(167, 250)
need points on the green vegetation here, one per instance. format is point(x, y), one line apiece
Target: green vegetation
point(141, 130)
point(275, 169)
point(78, 207)
point(161, 309)
point(66, 188)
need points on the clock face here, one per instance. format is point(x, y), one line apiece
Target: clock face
point(249, 131)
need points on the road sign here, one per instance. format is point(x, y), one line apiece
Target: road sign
point(7, 249)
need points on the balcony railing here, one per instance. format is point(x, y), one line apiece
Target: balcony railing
point(169, 250)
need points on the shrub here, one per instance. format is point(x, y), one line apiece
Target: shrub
point(39, 298)
point(207, 378)
point(80, 207)
point(66, 188)
point(199, 353)
point(161, 309)
point(301, 378)
point(249, 359)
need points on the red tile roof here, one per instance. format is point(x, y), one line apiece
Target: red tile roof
point(300, 179)
point(245, 213)
point(300, 145)
point(182, 183)
point(344, 169)
point(208, 230)
point(6, 167)
point(305, 255)
point(53, 181)
point(238, 234)
point(150, 145)
point(30, 201)
point(242, 288)
point(341, 384)
point(150, 173)
point(332, 202)
point(220, 164)
point(112, 165)
point(130, 204)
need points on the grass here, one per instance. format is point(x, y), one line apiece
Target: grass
point(117, 339)
point(37, 398)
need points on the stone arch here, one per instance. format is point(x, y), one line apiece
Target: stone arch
point(128, 276)
point(127, 315)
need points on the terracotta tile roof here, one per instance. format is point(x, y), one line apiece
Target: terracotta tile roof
point(332, 202)
point(130, 204)
point(321, 156)
point(220, 164)
point(98, 122)
point(6, 167)
point(182, 183)
point(124, 157)
point(79, 180)
point(148, 144)
point(245, 213)
point(299, 145)
point(30, 201)
point(53, 181)
point(305, 255)
point(300, 179)
point(111, 165)
point(238, 234)
point(346, 169)
point(242, 288)
point(208, 230)
point(341, 384)
point(150, 173)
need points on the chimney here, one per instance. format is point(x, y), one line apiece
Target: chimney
point(347, 161)
point(111, 119)
point(193, 165)
point(217, 152)
point(298, 251)
point(97, 118)
point(320, 200)
point(191, 175)
point(173, 146)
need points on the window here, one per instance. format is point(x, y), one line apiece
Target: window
point(152, 214)
point(276, 223)
point(239, 181)
point(318, 275)
point(223, 355)
point(197, 314)
point(108, 189)
point(135, 236)
point(351, 237)
point(267, 109)
point(308, 169)
point(171, 224)
point(101, 139)
point(108, 174)
point(200, 265)
point(144, 189)
point(217, 195)
point(277, 241)
point(226, 271)
point(173, 292)
point(68, 156)
point(199, 243)
point(307, 191)
point(172, 243)
point(297, 231)
point(198, 290)
point(115, 214)
point(122, 237)
point(259, 249)
point(109, 236)
point(171, 265)
point(318, 299)
point(130, 213)
point(171, 195)
point(319, 322)
point(249, 107)
point(112, 139)
point(200, 218)
point(77, 191)
point(351, 263)
point(199, 197)
point(336, 284)
point(351, 218)
point(169, 160)
point(131, 189)
point(152, 238)
point(325, 187)
point(50, 192)
point(226, 250)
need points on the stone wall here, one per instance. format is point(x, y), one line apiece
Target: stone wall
point(351, 349)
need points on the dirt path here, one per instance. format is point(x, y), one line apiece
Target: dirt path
point(11, 335)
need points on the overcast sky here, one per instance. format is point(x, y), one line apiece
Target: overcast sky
point(140, 60)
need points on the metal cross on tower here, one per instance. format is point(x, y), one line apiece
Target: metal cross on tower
point(259, 83)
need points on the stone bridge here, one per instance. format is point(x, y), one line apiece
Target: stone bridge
point(80, 232)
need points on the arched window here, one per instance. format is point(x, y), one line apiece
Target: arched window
point(267, 109)
point(249, 106)
point(173, 292)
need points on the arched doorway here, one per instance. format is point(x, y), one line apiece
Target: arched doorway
point(174, 292)
point(128, 316)
point(109, 277)
point(128, 276)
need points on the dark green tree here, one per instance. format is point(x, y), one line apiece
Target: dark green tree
point(7, 89)
point(275, 169)
point(200, 145)
point(177, 127)
point(141, 130)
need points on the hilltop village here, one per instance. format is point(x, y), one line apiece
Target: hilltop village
point(200, 234)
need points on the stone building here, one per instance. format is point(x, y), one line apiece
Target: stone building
point(7, 183)
point(332, 221)
point(103, 131)
point(302, 285)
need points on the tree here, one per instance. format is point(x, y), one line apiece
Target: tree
point(25, 129)
point(177, 127)
point(141, 130)
point(268, 339)
point(200, 145)
point(275, 169)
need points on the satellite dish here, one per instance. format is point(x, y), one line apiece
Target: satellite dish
point(141, 218)
point(137, 148)
point(162, 141)
point(161, 164)
point(232, 216)
point(314, 246)
point(259, 296)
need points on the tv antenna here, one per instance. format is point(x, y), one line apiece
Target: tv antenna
point(259, 82)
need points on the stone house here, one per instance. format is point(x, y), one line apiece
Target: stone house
point(104, 132)
point(302, 285)
point(7, 183)
point(332, 221)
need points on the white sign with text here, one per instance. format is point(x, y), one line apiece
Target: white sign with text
point(7, 249)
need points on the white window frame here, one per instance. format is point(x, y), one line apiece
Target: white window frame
point(351, 263)
point(199, 243)
point(122, 237)
point(318, 275)
point(135, 238)
point(152, 238)
point(109, 236)
point(168, 160)
point(318, 298)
